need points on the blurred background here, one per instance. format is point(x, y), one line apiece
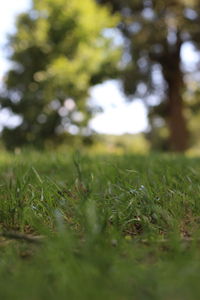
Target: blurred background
point(111, 75)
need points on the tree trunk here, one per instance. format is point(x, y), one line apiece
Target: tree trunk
point(173, 75)
point(176, 119)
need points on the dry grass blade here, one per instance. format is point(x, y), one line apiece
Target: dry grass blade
point(21, 236)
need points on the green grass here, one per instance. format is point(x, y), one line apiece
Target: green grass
point(112, 227)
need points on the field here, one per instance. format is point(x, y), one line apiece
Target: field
point(82, 226)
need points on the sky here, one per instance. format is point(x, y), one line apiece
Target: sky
point(118, 116)
point(132, 116)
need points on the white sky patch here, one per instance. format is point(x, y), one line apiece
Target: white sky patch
point(129, 118)
point(9, 9)
point(8, 119)
point(190, 57)
point(119, 116)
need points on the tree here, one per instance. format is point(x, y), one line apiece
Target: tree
point(58, 51)
point(155, 32)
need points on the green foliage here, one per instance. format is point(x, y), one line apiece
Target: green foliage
point(114, 227)
point(58, 51)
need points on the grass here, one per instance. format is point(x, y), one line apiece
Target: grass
point(111, 227)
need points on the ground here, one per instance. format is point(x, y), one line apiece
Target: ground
point(83, 226)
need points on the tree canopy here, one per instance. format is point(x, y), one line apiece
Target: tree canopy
point(58, 51)
point(155, 32)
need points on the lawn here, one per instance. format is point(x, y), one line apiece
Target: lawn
point(82, 226)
